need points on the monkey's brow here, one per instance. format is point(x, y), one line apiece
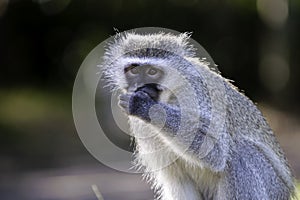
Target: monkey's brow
point(149, 52)
point(133, 65)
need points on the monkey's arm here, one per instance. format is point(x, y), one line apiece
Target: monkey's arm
point(139, 103)
point(250, 174)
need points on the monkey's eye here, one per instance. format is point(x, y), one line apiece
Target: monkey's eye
point(134, 70)
point(152, 71)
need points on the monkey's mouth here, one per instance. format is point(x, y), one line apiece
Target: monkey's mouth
point(152, 89)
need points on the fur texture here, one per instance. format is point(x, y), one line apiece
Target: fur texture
point(214, 142)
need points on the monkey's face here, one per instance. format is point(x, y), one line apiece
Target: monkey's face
point(146, 78)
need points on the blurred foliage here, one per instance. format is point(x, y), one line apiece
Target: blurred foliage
point(26, 106)
point(36, 126)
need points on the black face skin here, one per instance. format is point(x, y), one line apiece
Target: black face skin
point(151, 89)
point(143, 91)
point(143, 88)
point(144, 78)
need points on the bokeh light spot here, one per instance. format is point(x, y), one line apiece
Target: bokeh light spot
point(3, 7)
point(273, 12)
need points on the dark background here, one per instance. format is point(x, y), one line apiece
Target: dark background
point(43, 43)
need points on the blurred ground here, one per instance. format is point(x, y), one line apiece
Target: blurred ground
point(74, 183)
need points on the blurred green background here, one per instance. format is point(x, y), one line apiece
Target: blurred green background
point(43, 43)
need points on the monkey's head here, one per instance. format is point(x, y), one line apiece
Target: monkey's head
point(135, 62)
point(164, 68)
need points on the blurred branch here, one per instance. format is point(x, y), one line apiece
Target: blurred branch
point(97, 192)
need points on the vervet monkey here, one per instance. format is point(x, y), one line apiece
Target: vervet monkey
point(197, 137)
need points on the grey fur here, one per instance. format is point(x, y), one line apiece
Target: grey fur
point(214, 144)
